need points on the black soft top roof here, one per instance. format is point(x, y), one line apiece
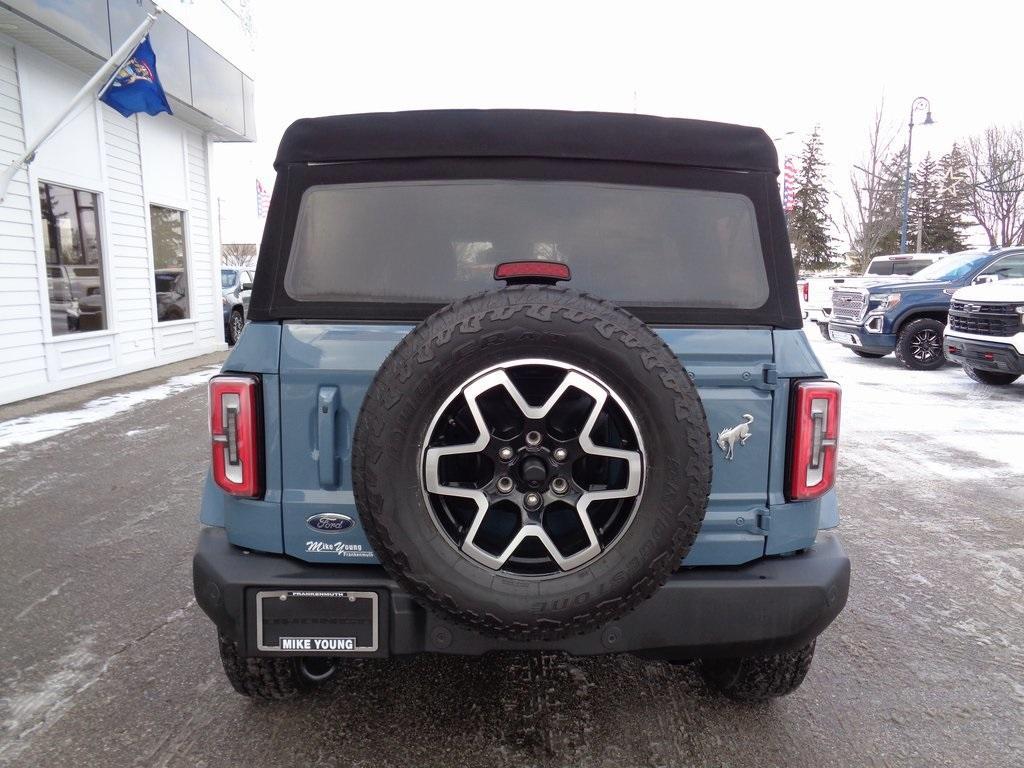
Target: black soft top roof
point(527, 133)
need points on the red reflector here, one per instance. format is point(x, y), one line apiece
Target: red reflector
point(952, 350)
point(812, 462)
point(988, 356)
point(234, 431)
point(545, 271)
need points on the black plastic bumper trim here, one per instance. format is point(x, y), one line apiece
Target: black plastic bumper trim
point(767, 606)
point(1004, 357)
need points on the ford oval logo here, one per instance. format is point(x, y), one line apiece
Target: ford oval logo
point(330, 522)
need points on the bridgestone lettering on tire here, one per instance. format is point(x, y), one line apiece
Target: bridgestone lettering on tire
point(531, 462)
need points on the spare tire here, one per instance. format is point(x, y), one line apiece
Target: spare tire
point(532, 462)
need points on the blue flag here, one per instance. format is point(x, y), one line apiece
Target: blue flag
point(136, 86)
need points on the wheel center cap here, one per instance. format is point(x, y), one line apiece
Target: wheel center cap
point(534, 471)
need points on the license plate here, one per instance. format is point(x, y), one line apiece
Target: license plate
point(317, 621)
point(842, 338)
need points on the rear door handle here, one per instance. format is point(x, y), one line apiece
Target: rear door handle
point(327, 403)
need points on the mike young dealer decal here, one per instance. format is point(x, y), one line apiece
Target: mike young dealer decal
point(338, 548)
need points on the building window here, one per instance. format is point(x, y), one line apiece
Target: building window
point(74, 268)
point(169, 263)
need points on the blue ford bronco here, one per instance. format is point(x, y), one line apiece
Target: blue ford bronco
point(909, 318)
point(521, 380)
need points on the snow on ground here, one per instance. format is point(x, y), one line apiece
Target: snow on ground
point(31, 429)
point(941, 421)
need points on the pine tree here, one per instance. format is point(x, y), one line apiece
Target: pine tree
point(924, 203)
point(939, 203)
point(951, 222)
point(809, 222)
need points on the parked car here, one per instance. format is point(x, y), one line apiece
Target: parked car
point(985, 333)
point(816, 291)
point(422, 443)
point(236, 289)
point(909, 318)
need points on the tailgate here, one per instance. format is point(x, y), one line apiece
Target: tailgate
point(326, 369)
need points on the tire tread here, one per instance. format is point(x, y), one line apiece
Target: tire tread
point(259, 677)
point(759, 678)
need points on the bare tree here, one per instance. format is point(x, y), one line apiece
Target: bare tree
point(995, 188)
point(873, 214)
point(238, 254)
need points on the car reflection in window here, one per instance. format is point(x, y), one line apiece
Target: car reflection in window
point(171, 295)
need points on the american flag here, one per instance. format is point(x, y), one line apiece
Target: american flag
point(789, 186)
point(262, 200)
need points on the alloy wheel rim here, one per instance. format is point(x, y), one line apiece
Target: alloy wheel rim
point(925, 345)
point(533, 467)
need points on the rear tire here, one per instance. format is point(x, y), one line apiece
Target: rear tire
point(823, 330)
point(992, 378)
point(759, 678)
point(871, 355)
point(919, 346)
point(271, 679)
point(236, 324)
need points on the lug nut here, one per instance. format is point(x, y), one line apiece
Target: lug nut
point(560, 454)
point(559, 485)
point(505, 453)
point(505, 484)
point(531, 500)
point(533, 438)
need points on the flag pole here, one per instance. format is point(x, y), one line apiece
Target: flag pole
point(103, 74)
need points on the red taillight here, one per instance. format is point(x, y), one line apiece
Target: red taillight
point(812, 462)
point(805, 290)
point(234, 430)
point(527, 271)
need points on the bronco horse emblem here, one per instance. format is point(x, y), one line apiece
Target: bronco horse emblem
point(728, 438)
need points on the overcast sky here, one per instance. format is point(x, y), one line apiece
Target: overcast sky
point(783, 66)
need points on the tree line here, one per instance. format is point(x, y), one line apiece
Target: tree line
point(978, 182)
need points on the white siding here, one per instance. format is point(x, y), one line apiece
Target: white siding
point(131, 274)
point(129, 175)
point(22, 356)
point(200, 236)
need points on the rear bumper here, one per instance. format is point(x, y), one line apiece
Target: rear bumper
point(771, 605)
point(861, 339)
point(984, 355)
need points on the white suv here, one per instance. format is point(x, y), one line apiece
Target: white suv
point(985, 333)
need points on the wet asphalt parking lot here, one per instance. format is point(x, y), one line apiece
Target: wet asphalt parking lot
point(106, 660)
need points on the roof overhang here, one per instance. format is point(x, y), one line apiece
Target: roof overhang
point(205, 90)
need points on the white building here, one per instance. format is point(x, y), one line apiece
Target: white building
point(109, 249)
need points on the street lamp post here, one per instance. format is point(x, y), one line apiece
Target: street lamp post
point(920, 103)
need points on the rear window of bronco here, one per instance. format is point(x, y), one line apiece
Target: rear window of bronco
point(436, 241)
